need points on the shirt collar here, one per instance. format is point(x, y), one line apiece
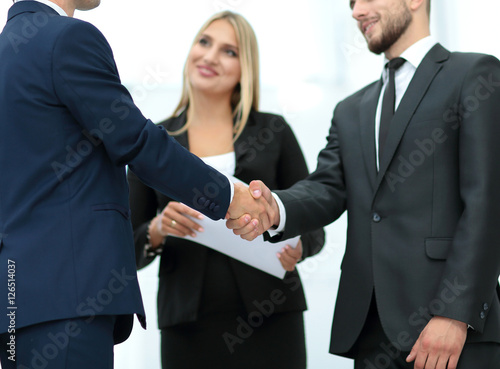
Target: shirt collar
point(417, 52)
point(54, 6)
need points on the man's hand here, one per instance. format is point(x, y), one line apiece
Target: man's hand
point(439, 345)
point(251, 212)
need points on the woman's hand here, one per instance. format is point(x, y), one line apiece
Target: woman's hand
point(289, 257)
point(174, 220)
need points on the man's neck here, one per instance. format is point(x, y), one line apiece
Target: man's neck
point(398, 48)
point(414, 33)
point(66, 5)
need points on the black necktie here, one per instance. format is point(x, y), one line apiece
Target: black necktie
point(388, 103)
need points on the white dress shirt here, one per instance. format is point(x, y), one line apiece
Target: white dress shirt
point(413, 56)
point(224, 163)
point(54, 6)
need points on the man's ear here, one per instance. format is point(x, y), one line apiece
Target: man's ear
point(415, 5)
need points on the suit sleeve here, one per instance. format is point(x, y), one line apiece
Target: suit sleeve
point(291, 168)
point(473, 264)
point(86, 81)
point(319, 199)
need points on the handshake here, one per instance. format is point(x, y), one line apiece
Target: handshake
point(252, 211)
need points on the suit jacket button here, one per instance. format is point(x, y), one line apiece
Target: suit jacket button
point(376, 218)
point(201, 200)
point(212, 205)
point(207, 203)
point(216, 208)
point(486, 307)
point(483, 315)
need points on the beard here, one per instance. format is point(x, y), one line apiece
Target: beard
point(397, 24)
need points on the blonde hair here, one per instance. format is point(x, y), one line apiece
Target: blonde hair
point(246, 94)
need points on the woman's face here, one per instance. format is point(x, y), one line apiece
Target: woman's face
point(213, 63)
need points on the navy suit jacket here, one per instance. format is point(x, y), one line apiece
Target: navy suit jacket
point(68, 128)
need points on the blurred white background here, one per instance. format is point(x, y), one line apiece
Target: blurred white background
point(312, 56)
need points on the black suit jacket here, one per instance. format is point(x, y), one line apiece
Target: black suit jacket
point(423, 232)
point(267, 149)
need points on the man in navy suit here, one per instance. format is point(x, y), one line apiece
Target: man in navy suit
point(67, 129)
point(419, 285)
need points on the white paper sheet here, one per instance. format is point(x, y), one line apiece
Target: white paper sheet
point(257, 253)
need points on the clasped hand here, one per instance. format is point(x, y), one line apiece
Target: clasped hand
point(178, 219)
point(252, 211)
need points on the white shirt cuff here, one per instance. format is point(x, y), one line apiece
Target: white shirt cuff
point(282, 212)
point(231, 186)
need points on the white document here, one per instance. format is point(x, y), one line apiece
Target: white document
point(257, 253)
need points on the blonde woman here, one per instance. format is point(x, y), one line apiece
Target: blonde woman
point(214, 311)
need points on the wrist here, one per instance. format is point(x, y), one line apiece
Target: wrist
point(153, 246)
point(154, 235)
point(279, 216)
point(275, 207)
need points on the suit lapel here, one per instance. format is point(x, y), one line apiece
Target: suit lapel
point(241, 146)
point(368, 110)
point(176, 123)
point(419, 85)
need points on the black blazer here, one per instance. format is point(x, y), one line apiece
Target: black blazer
point(423, 232)
point(268, 150)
